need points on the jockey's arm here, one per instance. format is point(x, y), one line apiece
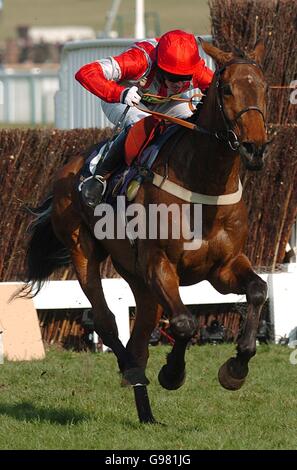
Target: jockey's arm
point(103, 78)
point(202, 76)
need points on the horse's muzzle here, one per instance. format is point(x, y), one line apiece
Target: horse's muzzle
point(252, 155)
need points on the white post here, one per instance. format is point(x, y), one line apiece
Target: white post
point(282, 297)
point(1, 348)
point(111, 15)
point(139, 19)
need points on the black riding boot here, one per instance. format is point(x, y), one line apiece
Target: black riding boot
point(94, 187)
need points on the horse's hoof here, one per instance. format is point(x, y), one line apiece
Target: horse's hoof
point(171, 383)
point(149, 420)
point(154, 421)
point(227, 379)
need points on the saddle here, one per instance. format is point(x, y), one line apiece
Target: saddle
point(142, 145)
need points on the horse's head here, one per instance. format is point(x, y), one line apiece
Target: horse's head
point(240, 90)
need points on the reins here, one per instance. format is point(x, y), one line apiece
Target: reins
point(170, 187)
point(181, 122)
point(165, 117)
point(230, 136)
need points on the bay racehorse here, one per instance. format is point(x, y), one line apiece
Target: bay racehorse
point(231, 127)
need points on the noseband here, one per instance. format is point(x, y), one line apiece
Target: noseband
point(231, 138)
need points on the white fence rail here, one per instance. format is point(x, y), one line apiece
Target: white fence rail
point(28, 96)
point(282, 296)
point(76, 107)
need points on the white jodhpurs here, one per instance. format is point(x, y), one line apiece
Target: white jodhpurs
point(114, 111)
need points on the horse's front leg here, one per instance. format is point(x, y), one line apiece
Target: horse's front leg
point(163, 279)
point(173, 374)
point(148, 313)
point(238, 277)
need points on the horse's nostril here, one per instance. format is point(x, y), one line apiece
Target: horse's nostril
point(252, 155)
point(253, 149)
point(249, 147)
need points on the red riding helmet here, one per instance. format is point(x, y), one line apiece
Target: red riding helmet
point(178, 53)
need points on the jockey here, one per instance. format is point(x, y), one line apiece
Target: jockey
point(164, 66)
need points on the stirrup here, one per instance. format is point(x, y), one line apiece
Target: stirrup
point(93, 196)
point(97, 177)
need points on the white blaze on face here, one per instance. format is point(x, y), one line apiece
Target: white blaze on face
point(250, 79)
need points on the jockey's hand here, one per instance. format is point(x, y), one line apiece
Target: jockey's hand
point(131, 96)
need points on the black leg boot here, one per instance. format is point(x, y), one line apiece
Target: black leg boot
point(93, 188)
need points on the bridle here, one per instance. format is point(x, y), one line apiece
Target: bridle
point(228, 134)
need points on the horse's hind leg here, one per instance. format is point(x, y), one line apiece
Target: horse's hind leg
point(86, 256)
point(239, 277)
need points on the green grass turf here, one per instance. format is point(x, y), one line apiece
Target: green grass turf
point(74, 401)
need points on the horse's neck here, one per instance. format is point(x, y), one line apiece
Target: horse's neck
point(208, 165)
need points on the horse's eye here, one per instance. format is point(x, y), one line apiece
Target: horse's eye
point(227, 90)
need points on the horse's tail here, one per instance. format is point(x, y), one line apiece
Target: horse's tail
point(45, 253)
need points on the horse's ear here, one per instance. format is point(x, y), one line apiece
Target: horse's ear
point(258, 53)
point(220, 57)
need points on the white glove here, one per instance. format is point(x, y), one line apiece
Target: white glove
point(131, 96)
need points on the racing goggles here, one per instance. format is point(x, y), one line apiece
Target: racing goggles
point(177, 78)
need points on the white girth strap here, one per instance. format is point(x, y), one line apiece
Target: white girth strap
point(189, 196)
